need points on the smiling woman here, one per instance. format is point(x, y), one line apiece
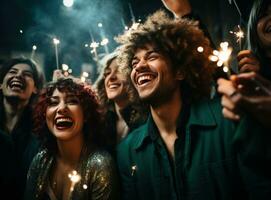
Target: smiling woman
point(20, 82)
point(72, 164)
point(123, 110)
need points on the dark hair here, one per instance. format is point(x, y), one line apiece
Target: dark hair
point(88, 101)
point(38, 75)
point(179, 41)
point(257, 12)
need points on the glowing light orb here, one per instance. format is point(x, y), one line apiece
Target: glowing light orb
point(74, 177)
point(65, 67)
point(68, 3)
point(104, 41)
point(34, 47)
point(200, 49)
point(85, 74)
point(56, 41)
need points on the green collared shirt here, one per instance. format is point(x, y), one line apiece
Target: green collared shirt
point(206, 164)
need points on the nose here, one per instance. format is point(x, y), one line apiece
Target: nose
point(112, 75)
point(141, 65)
point(19, 74)
point(62, 108)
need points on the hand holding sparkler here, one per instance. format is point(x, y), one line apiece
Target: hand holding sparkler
point(246, 92)
point(247, 62)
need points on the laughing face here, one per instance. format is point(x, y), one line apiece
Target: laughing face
point(64, 116)
point(264, 29)
point(152, 75)
point(19, 82)
point(115, 83)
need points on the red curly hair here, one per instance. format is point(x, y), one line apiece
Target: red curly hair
point(88, 101)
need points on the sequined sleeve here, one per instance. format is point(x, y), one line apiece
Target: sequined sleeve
point(104, 182)
point(36, 175)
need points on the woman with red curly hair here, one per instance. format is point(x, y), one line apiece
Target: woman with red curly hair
point(71, 165)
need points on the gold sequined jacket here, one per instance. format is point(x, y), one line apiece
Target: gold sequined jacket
point(97, 171)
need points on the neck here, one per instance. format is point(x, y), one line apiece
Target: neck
point(121, 104)
point(119, 107)
point(13, 111)
point(165, 115)
point(69, 152)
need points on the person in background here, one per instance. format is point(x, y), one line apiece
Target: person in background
point(20, 83)
point(123, 110)
point(256, 58)
point(72, 163)
point(186, 149)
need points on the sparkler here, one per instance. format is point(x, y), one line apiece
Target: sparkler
point(56, 42)
point(131, 13)
point(239, 35)
point(34, 48)
point(75, 178)
point(94, 45)
point(84, 76)
point(124, 25)
point(222, 57)
point(104, 41)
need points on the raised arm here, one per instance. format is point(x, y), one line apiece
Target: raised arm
point(178, 7)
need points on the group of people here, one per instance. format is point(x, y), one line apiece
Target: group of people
point(155, 125)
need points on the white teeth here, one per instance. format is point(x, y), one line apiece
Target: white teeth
point(16, 84)
point(66, 119)
point(143, 79)
point(113, 86)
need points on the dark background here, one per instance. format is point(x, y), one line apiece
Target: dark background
point(42, 20)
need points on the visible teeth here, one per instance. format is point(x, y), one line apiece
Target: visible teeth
point(16, 84)
point(143, 79)
point(112, 86)
point(59, 120)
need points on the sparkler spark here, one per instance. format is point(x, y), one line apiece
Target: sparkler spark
point(222, 56)
point(239, 36)
point(75, 178)
point(34, 48)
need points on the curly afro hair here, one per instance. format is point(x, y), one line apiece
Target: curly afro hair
point(178, 40)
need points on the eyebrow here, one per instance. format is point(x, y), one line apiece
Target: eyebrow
point(16, 69)
point(146, 54)
point(67, 96)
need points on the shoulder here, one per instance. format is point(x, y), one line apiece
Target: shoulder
point(40, 159)
point(100, 159)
